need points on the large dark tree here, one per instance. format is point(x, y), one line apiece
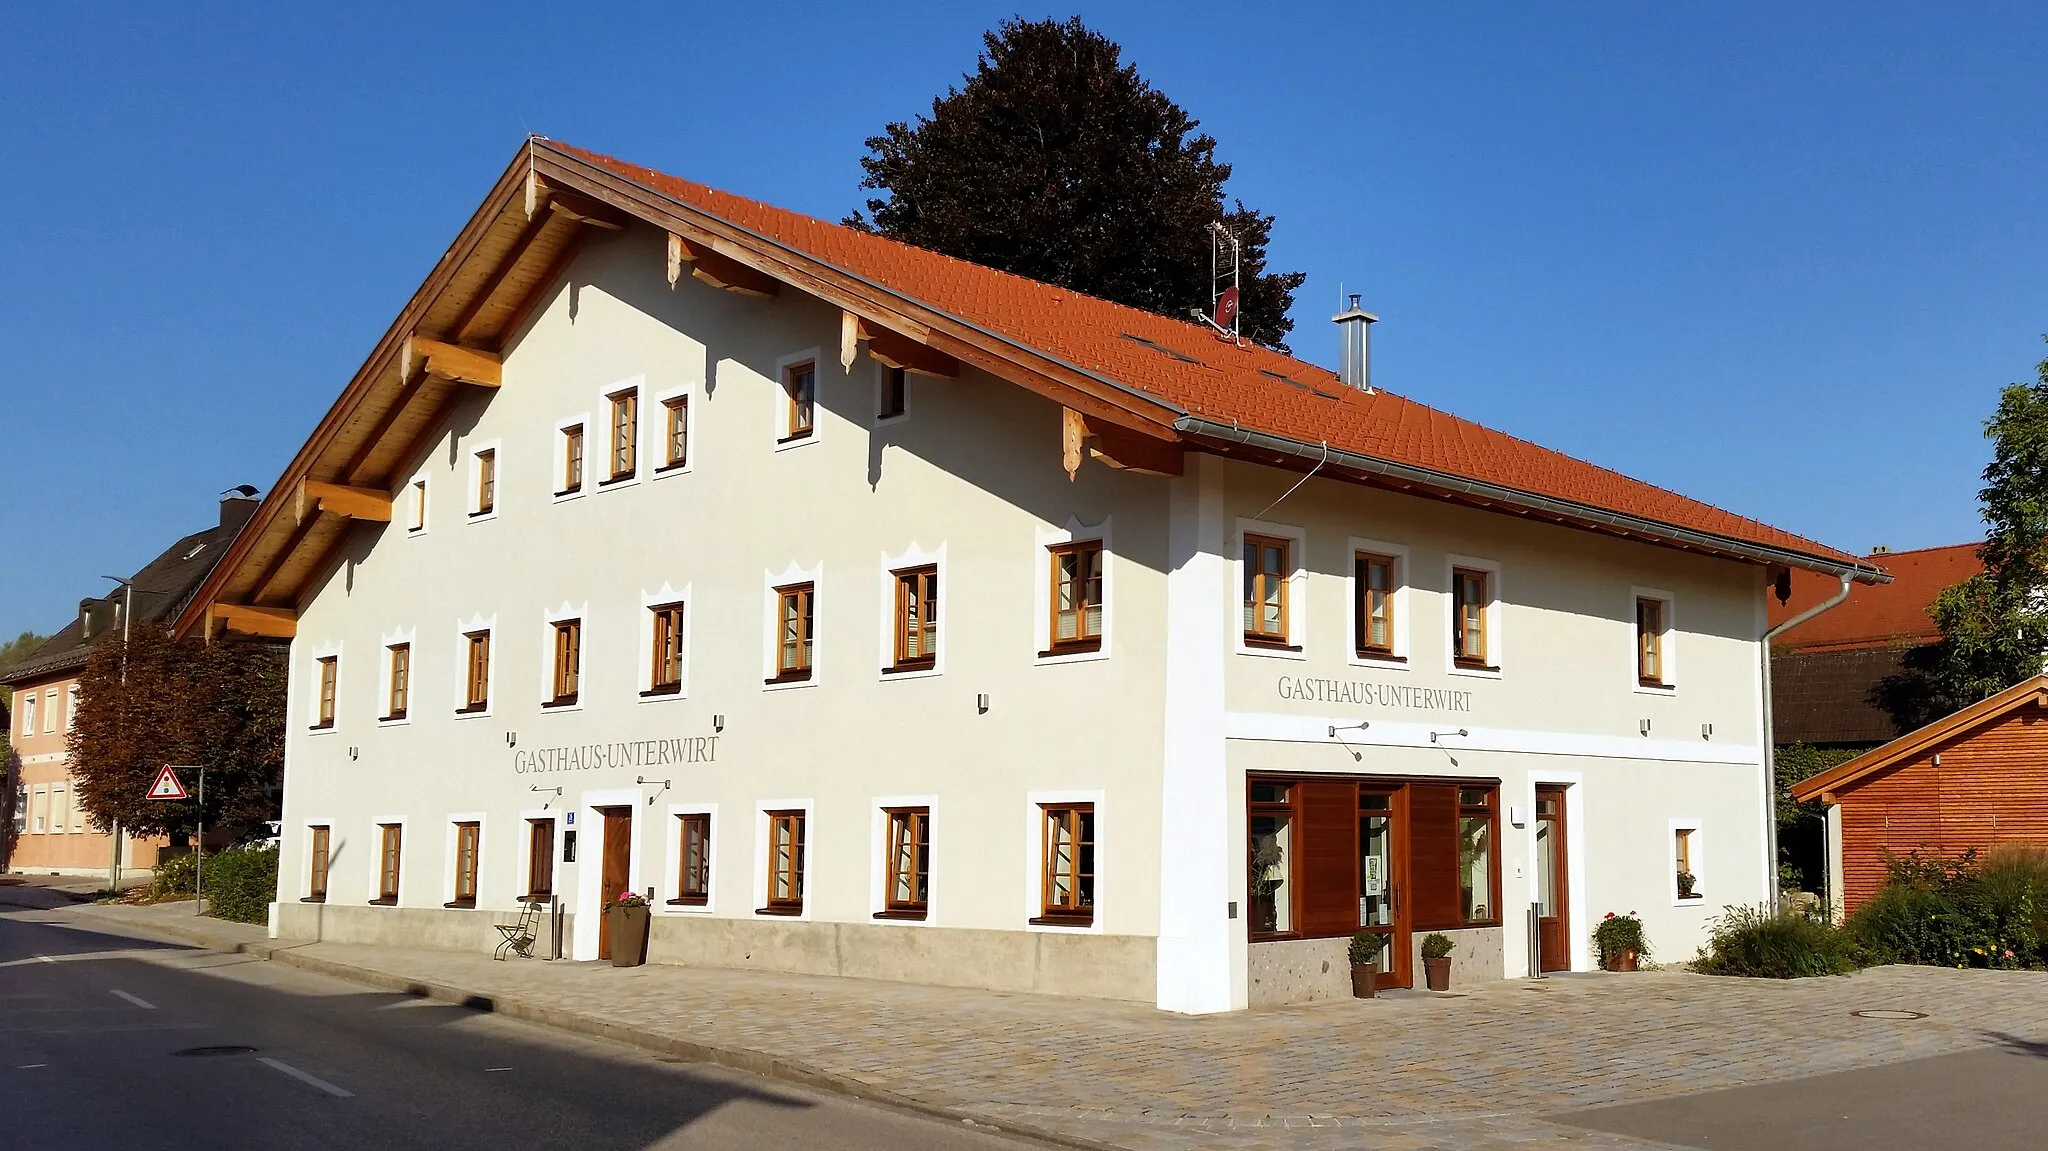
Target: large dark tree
point(179, 702)
point(1056, 160)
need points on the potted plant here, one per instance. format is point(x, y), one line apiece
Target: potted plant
point(627, 915)
point(1436, 960)
point(1686, 883)
point(1268, 874)
point(1620, 941)
point(1365, 964)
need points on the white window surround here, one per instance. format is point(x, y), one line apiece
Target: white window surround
point(304, 880)
point(1034, 858)
point(761, 810)
point(390, 639)
point(780, 409)
point(39, 809)
point(448, 855)
point(1495, 639)
point(1695, 842)
point(911, 557)
point(77, 809)
point(495, 690)
point(559, 457)
point(882, 371)
point(878, 866)
point(60, 809)
point(668, 594)
point(1668, 655)
point(71, 707)
point(1403, 603)
point(329, 650)
point(376, 853)
point(597, 471)
point(469, 500)
point(50, 712)
point(1041, 587)
point(674, 856)
point(1578, 932)
point(771, 621)
point(415, 498)
point(527, 818)
point(1297, 589)
point(655, 451)
point(29, 701)
point(566, 611)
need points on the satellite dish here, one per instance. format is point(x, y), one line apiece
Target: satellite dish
point(1226, 308)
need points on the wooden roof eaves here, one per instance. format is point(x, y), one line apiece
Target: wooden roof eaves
point(1918, 741)
point(279, 499)
point(992, 352)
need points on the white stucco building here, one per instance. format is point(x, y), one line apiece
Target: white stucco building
point(884, 615)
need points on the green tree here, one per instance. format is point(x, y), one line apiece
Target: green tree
point(1057, 161)
point(23, 646)
point(179, 702)
point(1992, 624)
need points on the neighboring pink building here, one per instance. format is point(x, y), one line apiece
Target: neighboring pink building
point(45, 829)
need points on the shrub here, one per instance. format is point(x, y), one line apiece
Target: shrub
point(1908, 924)
point(1436, 945)
point(1966, 911)
point(174, 877)
point(1619, 933)
point(1760, 943)
point(240, 883)
point(1365, 947)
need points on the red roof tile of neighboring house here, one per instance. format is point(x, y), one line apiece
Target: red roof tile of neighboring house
point(1190, 368)
point(1882, 615)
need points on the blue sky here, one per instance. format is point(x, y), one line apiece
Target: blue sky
point(1780, 262)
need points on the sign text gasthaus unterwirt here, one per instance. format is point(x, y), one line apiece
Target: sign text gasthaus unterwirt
point(1392, 696)
point(631, 753)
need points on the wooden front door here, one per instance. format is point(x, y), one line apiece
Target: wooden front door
point(1382, 869)
point(1553, 889)
point(617, 869)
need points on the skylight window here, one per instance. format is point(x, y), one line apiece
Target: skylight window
point(1162, 349)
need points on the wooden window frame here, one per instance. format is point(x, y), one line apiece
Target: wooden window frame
point(1484, 660)
point(319, 854)
point(1362, 565)
point(898, 824)
point(806, 595)
point(1253, 556)
point(486, 482)
point(398, 680)
point(799, 410)
point(892, 401)
point(573, 444)
point(1682, 837)
point(1083, 641)
point(675, 442)
point(567, 643)
point(1490, 811)
point(1650, 641)
point(666, 654)
point(1290, 809)
point(419, 508)
point(925, 579)
point(390, 859)
point(693, 878)
point(1078, 912)
point(540, 860)
point(468, 847)
point(328, 684)
point(476, 672)
point(623, 458)
point(792, 821)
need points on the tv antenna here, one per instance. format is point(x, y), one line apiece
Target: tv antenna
point(1226, 257)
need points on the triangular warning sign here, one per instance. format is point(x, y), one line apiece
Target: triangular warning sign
point(167, 785)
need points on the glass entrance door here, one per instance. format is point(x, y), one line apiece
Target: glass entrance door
point(1381, 853)
point(1553, 889)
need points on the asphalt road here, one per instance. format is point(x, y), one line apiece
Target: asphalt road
point(104, 1043)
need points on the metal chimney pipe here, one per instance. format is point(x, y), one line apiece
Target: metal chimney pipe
point(1355, 346)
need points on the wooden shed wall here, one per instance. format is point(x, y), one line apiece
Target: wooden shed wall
point(1991, 787)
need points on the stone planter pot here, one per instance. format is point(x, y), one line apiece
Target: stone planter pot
point(1436, 973)
point(1623, 960)
point(1363, 978)
point(629, 935)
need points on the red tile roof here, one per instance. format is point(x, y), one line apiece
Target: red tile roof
point(1882, 615)
point(1253, 387)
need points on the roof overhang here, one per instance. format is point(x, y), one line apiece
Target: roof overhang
point(1830, 783)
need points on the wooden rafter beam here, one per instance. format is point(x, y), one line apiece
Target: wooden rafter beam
point(585, 210)
point(283, 556)
point(339, 500)
point(351, 471)
point(275, 622)
point(459, 330)
point(717, 270)
point(566, 255)
point(1117, 447)
point(451, 362)
point(891, 349)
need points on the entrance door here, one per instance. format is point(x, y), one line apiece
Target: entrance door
point(1382, 856)
point(617, 869)
point(1553, 891)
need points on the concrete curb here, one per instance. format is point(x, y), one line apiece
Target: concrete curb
point(736, 1058)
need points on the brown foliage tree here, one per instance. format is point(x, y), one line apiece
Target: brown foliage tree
point(179, 702)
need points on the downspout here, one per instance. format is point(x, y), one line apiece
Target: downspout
point(1771, 743)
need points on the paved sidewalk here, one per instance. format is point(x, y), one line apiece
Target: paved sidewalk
point(1477, 1070)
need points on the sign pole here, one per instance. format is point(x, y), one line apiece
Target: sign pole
point(199, 847)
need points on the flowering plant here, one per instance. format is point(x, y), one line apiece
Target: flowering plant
point(626, 899)
point(1619, 933)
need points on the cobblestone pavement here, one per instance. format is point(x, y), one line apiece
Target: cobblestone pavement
point(1472, 1070)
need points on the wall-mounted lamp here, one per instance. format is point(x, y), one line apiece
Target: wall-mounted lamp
point(981, 703)
point(1644, 727)
point(511, 739)
point(1433, 735)
point(644, 781)
point(1361, 725)
point(1706, 731)
point(718, 722)
point(557, 792)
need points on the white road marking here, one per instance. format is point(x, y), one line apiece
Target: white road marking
point(30, 1066)
point(138, 1001)
point(497, 1069)
point(309, 1080)
point(45, 959)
